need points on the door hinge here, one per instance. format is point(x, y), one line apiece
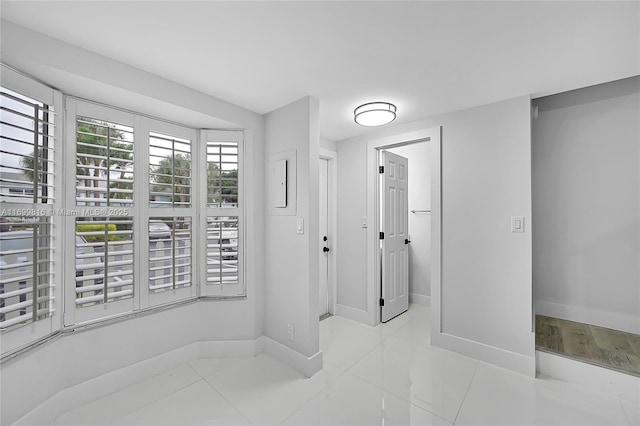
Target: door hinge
point(381, 302)
point(382, 235)
point(381, 169)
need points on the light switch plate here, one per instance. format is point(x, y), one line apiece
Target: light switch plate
point(517, 224)
point(364, 221)
point(300, 226)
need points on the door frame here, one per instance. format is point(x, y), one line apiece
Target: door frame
point(432, 135)
point(332, 275)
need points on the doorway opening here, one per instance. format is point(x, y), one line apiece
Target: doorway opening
point(427, 210)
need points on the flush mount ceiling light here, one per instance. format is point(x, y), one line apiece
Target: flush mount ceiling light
point(374, 114)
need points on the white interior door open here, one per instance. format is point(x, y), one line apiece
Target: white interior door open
point(395, 237)
point(323, 217)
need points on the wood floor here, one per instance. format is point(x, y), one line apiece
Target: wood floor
point(608, 348)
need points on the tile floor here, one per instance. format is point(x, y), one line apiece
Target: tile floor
point(601, 346)
point(387, 375)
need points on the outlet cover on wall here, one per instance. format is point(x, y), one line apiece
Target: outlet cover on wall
point(517, 224)
point(291, 332)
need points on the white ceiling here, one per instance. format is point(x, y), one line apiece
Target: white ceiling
point(426, 57)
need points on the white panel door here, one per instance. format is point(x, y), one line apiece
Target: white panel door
point(324, 237)
point(395, 249)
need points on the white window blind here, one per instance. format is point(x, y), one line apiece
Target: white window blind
point(169, 171)
point(222, 250)
point(26, 155)
point(170, 253)
point(27, 179)
point(26, 282)
point(224, 225)
point(104, 157)
point(222, 174)
point(104, 260)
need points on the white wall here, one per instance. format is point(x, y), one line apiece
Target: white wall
point(33, 377)
point(352, 236)
point(486, 270)
point(291, 259)
point(586, 205)
point(328, 144)
point(419, 197)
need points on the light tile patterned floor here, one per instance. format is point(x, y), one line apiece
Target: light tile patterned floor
point(387, 375)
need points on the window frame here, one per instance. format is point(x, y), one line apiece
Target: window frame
point(230, 290)
point(23, 334)
point(64, 210)
point(74, 315)
point(147, 297)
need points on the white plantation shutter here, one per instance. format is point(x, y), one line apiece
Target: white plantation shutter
point(101, 219)
point(26, 197)
point(169, 217)
point(222, 250)
point(224, 225)
point(26, 281)
point(30, 162)
point(131, 202)
point(169, 171)
point(27, 156)
point(103, 260)
point(104, 156)
point(169, 253)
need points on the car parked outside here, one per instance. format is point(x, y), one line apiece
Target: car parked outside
point(16, 266)
point(158, 230)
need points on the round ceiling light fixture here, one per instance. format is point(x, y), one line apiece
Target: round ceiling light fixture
point(374, 114)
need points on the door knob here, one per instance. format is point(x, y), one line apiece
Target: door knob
point(325, 249)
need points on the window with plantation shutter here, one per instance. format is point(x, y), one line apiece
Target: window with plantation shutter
point(169, 215)
point(26, 160)
point(29, 186)
point(104, 163)
point(101, 219)
point(26, 193)
point(103, 260)
point(223, 245)
point(134, 213)
point(169, 253)
point(222, 250)
point(26, 284)
point(169, 171)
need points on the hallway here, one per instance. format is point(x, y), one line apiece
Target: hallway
point(387, 375)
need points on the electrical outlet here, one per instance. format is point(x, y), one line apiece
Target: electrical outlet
point(291, 332)
point(517, 224)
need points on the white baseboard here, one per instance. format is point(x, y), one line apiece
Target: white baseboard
point(489, 354)
point(303, 364)
point(352, 313)
point(608, 319)
point(613, 382)
point(419, 299)
point(66, 399)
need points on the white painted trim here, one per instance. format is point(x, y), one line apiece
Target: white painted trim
point(489, 354)
point(90, 390)
point(612, 382)
point(436, 233)
point(419, 299)
point(608, 319)
point(372, 190)
point(332, 157)
point(302, 363)
point(353, 314)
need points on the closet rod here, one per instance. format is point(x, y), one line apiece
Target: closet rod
point(420, 211)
